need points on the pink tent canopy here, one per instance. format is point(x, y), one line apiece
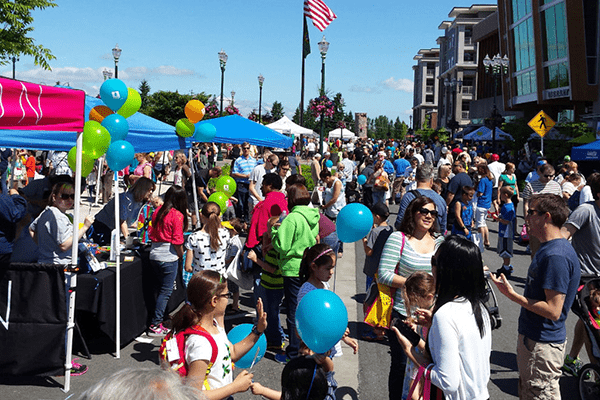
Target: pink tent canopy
point(29, 106)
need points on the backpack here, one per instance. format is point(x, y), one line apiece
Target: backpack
point(178, 364)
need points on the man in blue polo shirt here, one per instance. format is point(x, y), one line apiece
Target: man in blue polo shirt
point(242, 168)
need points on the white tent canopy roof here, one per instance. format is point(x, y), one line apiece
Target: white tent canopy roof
point(287, 126)
point(336, 133)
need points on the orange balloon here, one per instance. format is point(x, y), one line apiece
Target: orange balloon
point(194, 111)
point(99, 112)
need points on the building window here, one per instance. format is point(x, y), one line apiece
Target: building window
point(524, 45)
point(520, 8)
point(526, 83)
point(556, 76)
point(592, 39)
point(554, 32)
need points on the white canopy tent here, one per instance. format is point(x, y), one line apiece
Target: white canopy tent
point(342, 134)
point(288, 127)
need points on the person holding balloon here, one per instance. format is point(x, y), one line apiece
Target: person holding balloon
point(130, 203)
point(207, 300)
point(297, 231)
point(406, 251)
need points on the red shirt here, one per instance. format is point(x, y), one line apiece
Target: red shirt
point(273, 205)
point(30, 165)
point(171, 228)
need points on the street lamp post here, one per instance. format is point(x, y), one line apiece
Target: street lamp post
point(261, 80)
point(107, 74)
point(14, 62)
point(222, 62)
point(116, 52)
point(496, 66)
point(232, 96)
point(323, 47)
point(452, 85)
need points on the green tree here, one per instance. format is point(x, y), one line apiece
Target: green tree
point(144, 90)
point(169, 107)
point(277, 110)
point(15, 39)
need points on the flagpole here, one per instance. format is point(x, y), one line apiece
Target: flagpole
point(303, 69)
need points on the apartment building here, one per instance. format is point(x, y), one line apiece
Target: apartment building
point(426, 90)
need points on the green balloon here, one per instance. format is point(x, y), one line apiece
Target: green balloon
point(87, 163)
point(131, 105)
point(219, 198)
point(96, 139)
point(185, 128)
point(227, 185)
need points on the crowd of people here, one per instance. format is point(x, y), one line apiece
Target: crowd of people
point(447, 195)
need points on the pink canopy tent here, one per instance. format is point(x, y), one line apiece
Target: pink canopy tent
point(28, 106)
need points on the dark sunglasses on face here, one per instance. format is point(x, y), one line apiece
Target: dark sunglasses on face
point(229, 295)
point(426, 212)
point(245, 148)
point(65, 196)
point(549, 176)
point(531, 212)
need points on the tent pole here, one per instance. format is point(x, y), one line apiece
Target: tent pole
point(194, 189)
point(99, 177)
point(117, 252)
point(13, 163)
point(71, 277)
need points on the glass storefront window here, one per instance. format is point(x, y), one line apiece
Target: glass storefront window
point(556, 76)
point(554, 36)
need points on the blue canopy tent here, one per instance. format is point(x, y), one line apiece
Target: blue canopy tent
point(587, 152)
point(485, 133)
point(147, 134)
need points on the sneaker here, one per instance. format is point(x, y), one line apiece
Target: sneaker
point(572, 365)
point(78, 369)
point(157, 330)
point(282, 358)
point(504, 270)
point(275, 347)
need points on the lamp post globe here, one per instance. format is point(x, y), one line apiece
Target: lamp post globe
point(496, 66)
point(261, 80)
point(116, 52)
point(323, 48)
point(222, 62)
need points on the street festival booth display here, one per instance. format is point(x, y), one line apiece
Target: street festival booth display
point(54, 128)
point(341, 133)
point(288, 127)
point(37, 108)
point(486, 134)
point(587, 152)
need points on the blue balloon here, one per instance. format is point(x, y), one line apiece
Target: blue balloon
point(117, 125)
point(321, 320)
point(205, 132)
point(113, 93)
point(119, 155)
point(329, 163)
point(238, 334)
point(354, 222)
point(361, 179)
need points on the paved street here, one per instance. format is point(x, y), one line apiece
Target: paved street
point(363, 376)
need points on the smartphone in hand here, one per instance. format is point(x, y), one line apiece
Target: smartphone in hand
point(412, 336)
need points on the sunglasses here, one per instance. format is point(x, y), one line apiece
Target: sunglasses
point(549, 176)
point(228, 295)
point(245, 148)
point(426, 212)
point(531, 212)
point(65, 196)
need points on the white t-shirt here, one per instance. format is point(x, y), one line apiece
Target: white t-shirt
point(311, 146)
point(204, 256)
point(497, 168)
point(257, 175)
point(461, 356)
point(197, 347)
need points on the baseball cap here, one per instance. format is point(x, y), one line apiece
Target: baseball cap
point(540, 163)
point(444, 150)
point(567, 158)
point(495, 157)
point(227, 225)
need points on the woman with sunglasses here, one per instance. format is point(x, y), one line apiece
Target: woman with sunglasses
point(204, 312)
point(459, 341)
point(407, 251)
point(52, 230)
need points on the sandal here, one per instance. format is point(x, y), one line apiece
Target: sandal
point(372, 337)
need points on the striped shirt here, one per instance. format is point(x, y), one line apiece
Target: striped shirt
point(537, 187)
point(409, 262)
point(272, 281)
point(244, 166)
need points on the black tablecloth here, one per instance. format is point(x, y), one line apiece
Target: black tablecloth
point(96, 294)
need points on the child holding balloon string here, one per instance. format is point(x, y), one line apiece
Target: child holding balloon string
point(207, 299)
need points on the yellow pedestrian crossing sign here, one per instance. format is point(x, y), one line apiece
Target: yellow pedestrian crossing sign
point(541, 123)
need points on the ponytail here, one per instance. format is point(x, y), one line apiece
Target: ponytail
point(211, 211)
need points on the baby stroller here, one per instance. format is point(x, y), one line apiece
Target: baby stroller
point(491, 303)
point(589, 374)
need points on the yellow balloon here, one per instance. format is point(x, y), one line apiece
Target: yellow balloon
point(194, 111)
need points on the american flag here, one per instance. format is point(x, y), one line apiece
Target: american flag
point(320, 14)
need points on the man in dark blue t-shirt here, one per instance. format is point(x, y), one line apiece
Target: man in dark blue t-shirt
point(455, 186)
point(551, 286)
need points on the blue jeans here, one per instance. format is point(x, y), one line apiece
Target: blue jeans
point(241, 207)
point(291, 287)
point(166, 275)
point(332, 241)
point(271, 299)
point(379, 196)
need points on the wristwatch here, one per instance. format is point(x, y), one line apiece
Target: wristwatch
point(255, 331)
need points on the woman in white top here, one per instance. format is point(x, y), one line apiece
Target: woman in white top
point(208, 294)
point(52, 230)
point(460, 337)
point(334, 198)
point(206, 248)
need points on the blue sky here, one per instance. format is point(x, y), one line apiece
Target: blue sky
point(174, 46)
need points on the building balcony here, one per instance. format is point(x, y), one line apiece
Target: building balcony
point(429, 89)
point(430, 73)
point(468, 41)
point(468, 90)
point(465, 114)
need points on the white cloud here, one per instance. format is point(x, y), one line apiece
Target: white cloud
point(408, 112)
point(171, 70)
point(402, 84)
point(364, 89)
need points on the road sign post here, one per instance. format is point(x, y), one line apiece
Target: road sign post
point(541, 124)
